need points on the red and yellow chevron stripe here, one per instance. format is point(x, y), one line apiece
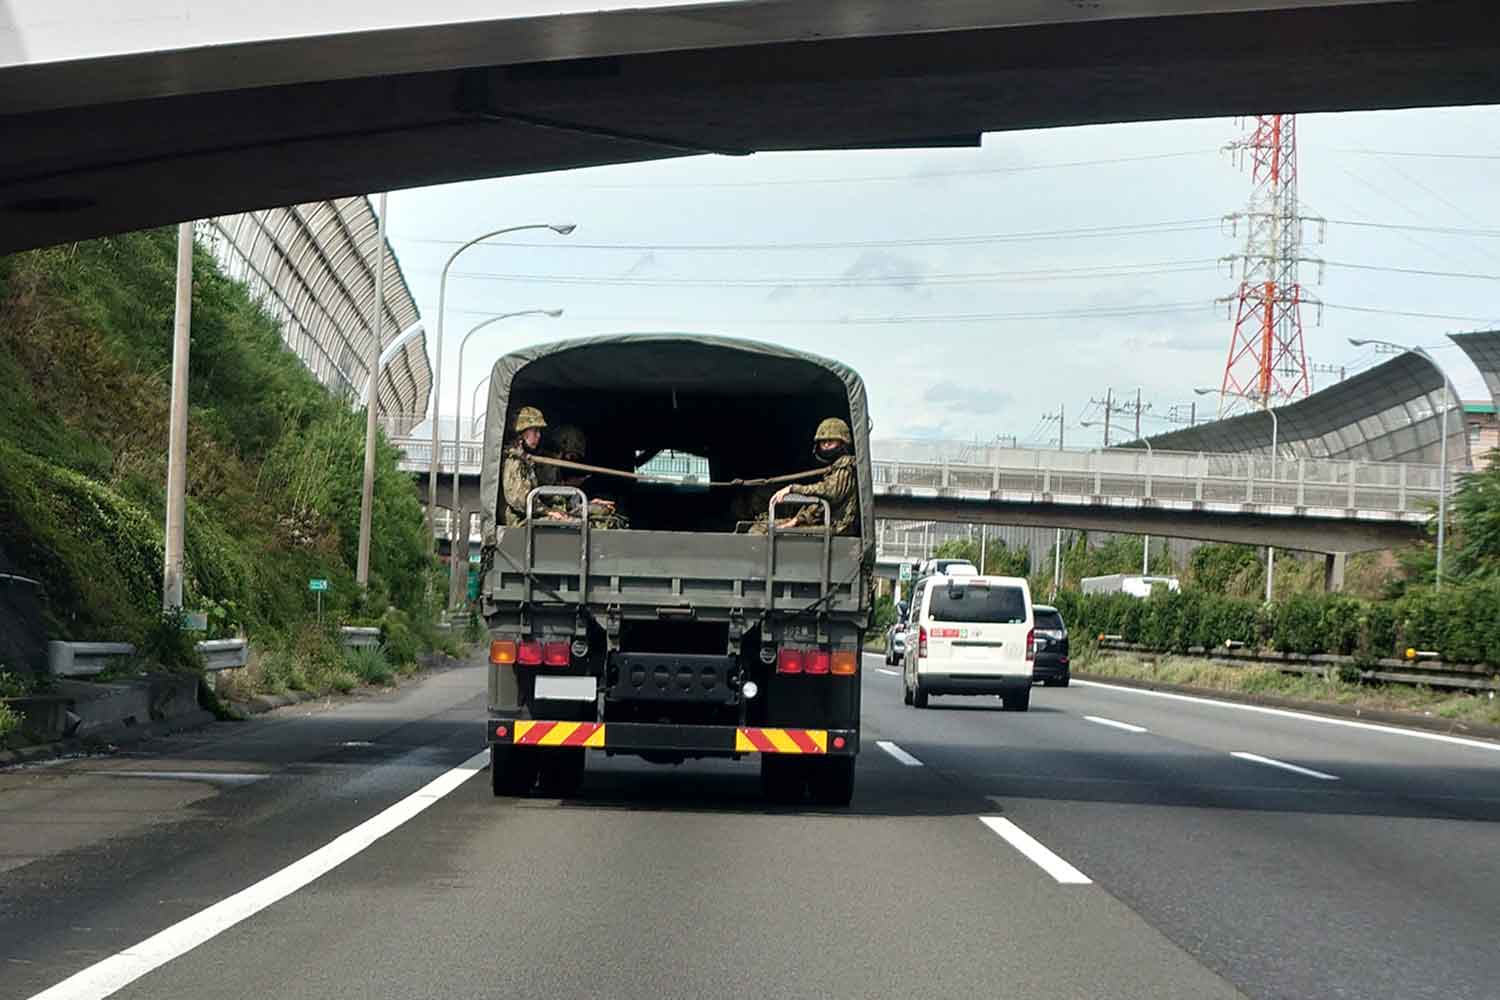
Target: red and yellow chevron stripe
point(752, 740)
point(559, 734)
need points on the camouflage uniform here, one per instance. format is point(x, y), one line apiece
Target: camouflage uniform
point(839, 485)
point(572, 446)
point(518, 473)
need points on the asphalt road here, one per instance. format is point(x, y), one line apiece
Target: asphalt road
point(1124, 851)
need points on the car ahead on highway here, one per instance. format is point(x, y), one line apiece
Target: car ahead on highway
point(970, 635)
point(895, 643)
point(947, 567)
point(1051, 666)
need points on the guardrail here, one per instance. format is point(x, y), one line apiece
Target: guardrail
point(1429, 673)
point(356, 637)
point(87, 659)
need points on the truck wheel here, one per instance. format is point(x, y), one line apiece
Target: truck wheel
point(782, 778)
point(561, 771)
point(905, 693)
point(512, 770)
point(919, 696)
point(1017, 701)
point(831, 781)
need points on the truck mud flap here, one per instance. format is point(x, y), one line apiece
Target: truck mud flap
point(635, 736)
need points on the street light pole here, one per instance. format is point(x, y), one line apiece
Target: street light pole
point(174, 549)
point(474, 404)
point(367, 488)
point(372, 403)
point(437, 367)
point(1449, 393)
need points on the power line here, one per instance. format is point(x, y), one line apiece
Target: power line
point(1047, 274)
point(909, 176)
point(1420, 155)
point(1413, 270)
point(1087, 232)
point(1100, 312)
point(1417, 315)
point(1398, 227)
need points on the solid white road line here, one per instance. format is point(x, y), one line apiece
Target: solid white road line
point(893, 673)
point(1304, 716)
point(114, 973)
point(1272, 762)
point(1038, 853)
point(898, 753)
point(1118, 725)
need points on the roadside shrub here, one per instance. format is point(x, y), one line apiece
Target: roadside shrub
point(1299, 625)
point(10, 721)
point(167, 643)
point(397, 637)
point(369, 664)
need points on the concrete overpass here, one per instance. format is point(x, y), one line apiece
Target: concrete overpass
point(1310, 505)
point(134, 113)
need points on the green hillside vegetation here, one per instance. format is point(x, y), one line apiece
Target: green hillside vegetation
point(274, 459)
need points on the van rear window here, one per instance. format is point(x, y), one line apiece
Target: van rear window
point(1049, 620)
point(1004, 605)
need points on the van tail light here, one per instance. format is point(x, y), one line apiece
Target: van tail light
point(845, 663)
point(922, 640)
point(817, 661)
point(502, 652)
point(530, 653)
point(556, 654)
point(789, 661)
point(1031, 644)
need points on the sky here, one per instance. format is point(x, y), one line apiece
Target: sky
point(979, 290)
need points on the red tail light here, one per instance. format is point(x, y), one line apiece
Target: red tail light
point(1031, 644)
point(529, 653)
point(789, 661)
point(555, 654)
point(817, 661)
point(922, 640)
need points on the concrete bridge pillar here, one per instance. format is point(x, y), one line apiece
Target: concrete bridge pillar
point(1333, 571)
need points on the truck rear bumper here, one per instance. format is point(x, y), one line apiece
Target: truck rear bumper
point(634, 737)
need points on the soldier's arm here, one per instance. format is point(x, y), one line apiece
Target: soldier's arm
point(836, 488)
point(515, 485)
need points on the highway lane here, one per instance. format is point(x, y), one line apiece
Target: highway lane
point(1208, 874)
point(1381, 883)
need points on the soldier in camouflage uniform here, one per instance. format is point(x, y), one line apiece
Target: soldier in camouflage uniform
point(518, 473)
point(572, 446)
point(833, 445)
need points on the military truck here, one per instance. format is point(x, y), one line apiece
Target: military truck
point(693, 632)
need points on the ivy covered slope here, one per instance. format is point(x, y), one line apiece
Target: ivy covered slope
point(274, 459)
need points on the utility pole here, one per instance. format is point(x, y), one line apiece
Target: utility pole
point(1176, 414)
point(182, 324)
point(367, 489)
point(1137, 414)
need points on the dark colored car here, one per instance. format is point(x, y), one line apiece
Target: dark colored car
point(1051, 648)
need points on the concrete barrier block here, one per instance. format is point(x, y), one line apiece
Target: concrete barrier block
point(354, 637)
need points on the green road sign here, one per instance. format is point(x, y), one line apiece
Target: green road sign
point(906, 572)
point(195, 621)
point(317, 584)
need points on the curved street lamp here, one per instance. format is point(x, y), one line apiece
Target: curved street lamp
point(458, 418)
point(1449, 393)
point(561, 229)
point(474, 404)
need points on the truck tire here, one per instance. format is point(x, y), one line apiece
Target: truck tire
point(1017, 701)
point(905, 693)
point(919, 696)
point(830, 781)
point(561, 771)
point(782, 778)
point(512, 770)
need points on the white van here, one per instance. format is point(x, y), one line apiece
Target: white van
point(970, 635)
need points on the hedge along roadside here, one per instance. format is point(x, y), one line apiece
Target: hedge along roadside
point(1461, 623)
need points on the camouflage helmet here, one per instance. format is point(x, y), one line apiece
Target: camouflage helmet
point(834, 429)
point(528, 418)
point(570, 440)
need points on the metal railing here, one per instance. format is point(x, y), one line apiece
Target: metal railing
point(1286, 484)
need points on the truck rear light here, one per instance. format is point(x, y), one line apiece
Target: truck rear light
point(1031, 644)
point(502, 652)
point(556, 654)
point(530, 653)
point(789, 661)
point(816, 661)
point(846, 663)
point(922, 641)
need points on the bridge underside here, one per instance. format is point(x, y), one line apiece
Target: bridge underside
point(1303, 534)
point(132, 141)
